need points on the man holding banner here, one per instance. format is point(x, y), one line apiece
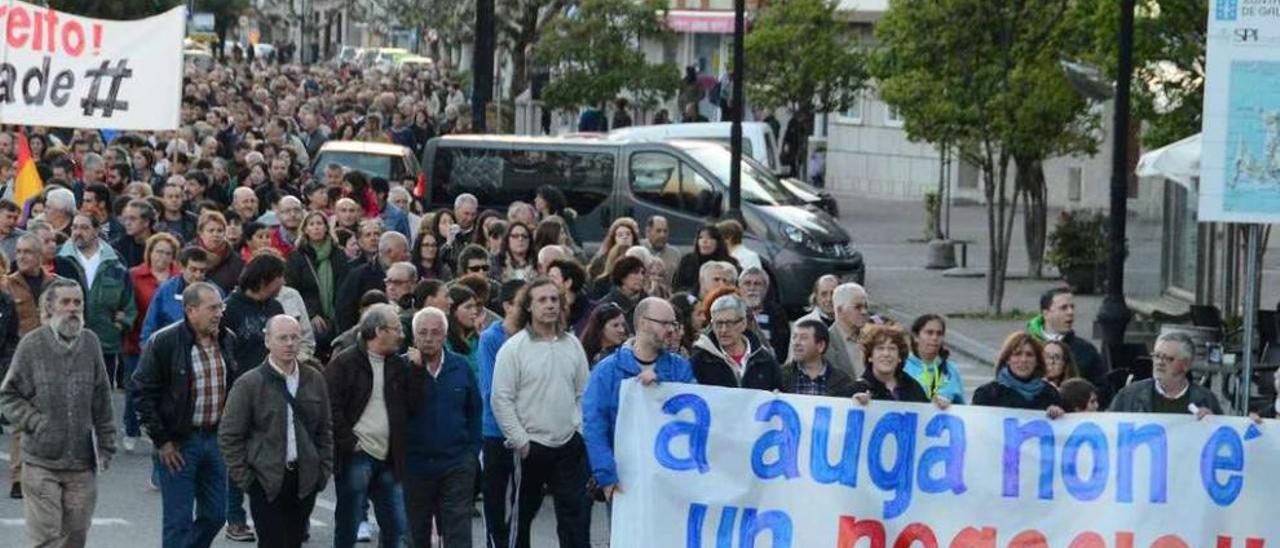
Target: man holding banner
point(1168, 390)
point(644, 357)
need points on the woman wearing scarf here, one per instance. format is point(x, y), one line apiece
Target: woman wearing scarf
point(1019, 382)
point(225, 263)
point(315, 269)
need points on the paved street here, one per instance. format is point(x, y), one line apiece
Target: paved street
point(128, 512)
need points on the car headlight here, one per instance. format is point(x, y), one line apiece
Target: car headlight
point(801, 238)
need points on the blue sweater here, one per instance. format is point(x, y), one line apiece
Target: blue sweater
point(951, 387)
point(486, 356)
point(165, 308)
point(600, 403)
point(445, 431)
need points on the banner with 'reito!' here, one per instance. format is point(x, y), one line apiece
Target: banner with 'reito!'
point(705, 467)
point(59, 69)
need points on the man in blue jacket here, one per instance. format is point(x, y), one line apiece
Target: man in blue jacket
point(166, 303)
point(443, 436)
point(644, 357)
point(498, 462)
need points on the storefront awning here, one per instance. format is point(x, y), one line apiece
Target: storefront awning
point(1178, 162)
point(700, 22)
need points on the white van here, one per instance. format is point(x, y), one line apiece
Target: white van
point(758, 143)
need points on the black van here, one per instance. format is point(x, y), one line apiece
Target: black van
point(684, 181)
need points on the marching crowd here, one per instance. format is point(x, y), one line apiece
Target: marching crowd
point(273, 331)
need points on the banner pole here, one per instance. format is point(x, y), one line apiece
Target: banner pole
point(1250, 317)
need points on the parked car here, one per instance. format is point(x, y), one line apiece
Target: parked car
point(757, 142)
point(345, 54)
point(685, 181)
point(391, 162)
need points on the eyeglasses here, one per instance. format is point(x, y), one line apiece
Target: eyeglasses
point(391, 281)
point(665, 323)
point(478, 268)
point(520, 236)
point(1164, 358)
point(725, 324)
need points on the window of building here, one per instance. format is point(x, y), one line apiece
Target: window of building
point(892, 118)
point(852, 115)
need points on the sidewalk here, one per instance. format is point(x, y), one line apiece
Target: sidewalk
point(901, 288)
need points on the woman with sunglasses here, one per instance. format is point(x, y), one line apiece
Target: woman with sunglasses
point(606, 330)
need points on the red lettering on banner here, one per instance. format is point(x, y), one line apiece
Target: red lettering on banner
point(1088, 540)
point(1029, 539)
point(852, 530)
point(17, 25)
point(38, 30)
point(1169, 541)
point(975, 538)
point(916, 532)
point(70, 31)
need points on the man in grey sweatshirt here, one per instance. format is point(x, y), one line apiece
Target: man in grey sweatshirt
point(538, 380)
point(57, 393)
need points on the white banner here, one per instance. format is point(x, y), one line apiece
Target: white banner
point(720, 468)
point(59, 69)
point(1240, 156)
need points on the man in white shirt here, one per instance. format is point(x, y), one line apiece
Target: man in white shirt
point(538, 381)
point(294, 459)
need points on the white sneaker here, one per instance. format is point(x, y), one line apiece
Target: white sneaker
point(130, 443)
point(364, 533)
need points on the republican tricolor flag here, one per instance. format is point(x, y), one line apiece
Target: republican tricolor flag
point(27, 183)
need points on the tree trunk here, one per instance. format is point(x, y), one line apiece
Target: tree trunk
point(1000, 215)
point(1035, 212)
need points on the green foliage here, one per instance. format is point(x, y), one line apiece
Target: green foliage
point(594, 55)
point(115, 9)
point(1079, 239)
point(1168, 59)
point(985, 76)
point(799, 55)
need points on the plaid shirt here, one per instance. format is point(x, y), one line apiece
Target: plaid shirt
point(208, 383)
point(811, 387)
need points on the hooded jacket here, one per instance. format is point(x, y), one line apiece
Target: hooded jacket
point(112, 292)
point(600, 403)
point(711, 365)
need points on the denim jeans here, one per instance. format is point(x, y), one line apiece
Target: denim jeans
point(131, 427)
point(200, 483)
point(362, 476)
point(235, 505)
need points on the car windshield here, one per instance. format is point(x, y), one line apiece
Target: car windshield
point(373, 165)
point(759, 186)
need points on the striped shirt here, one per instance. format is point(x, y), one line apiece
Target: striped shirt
point(208, 383)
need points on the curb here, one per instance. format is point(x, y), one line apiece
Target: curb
point(976, 352)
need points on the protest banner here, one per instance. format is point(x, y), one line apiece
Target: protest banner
point(60, 69)
point(720, 468)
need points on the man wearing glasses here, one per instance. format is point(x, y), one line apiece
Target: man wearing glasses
point(644, 357)
point(731, 355)
point(1168, 390)
point(401, 278)
point(369, 392)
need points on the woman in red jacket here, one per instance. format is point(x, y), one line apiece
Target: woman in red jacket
point(158, 265)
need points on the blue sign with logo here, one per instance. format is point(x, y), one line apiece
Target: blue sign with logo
point(1227, 10)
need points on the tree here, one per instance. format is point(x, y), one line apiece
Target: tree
point(116, 9)
point(800, 56)
point(595, 55)
point(1168, 62)
point(520, 24)
point(982, 75)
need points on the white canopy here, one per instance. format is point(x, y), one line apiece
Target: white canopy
point(1178, 162)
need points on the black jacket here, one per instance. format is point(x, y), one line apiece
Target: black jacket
point(8, 331)
point(301, 271)
point(162, 383)
point(839, 385)
point(1089, 363)
point(350, 380)
point(773, 323)
point(247, 319)
point(908, 389)
point(711, 365)
point(994, 394)
point(130, 250)
point(360, 279)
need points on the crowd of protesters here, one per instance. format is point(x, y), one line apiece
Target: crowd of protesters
point(275, 330)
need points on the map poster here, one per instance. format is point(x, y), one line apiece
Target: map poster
point(1240, 158)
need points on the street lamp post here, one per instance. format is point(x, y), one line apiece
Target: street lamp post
point(1114, 315)
point(735, 132)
